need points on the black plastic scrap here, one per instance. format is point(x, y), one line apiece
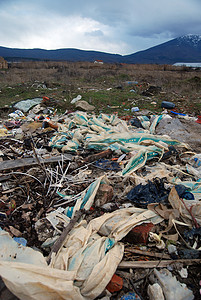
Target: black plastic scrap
point(189, 253)
point(152, 192)
point(183, 192)
point(135, 122)
point(192, 235)
point(171, 151)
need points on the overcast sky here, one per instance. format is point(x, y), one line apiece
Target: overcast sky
point(115, 26)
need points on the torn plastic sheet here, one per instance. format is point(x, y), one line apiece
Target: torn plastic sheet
point(81, 269)
point(155, 122)
point(104, 133)
point(92, 141)
point(109, 132)
point(86, 199)
point(196, 172)
point(72, 146)
point(193, 186)
point(139, 160)
point(56, 217)
point(145, 121)
point(193, 206)
point(26, 105)
point(18, 252)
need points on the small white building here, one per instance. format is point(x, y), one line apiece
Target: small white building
point(98, 61)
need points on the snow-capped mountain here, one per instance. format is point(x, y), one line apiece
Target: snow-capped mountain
point(186, 48)
point(191, 39)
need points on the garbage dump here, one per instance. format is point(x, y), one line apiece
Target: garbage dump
point(97, 207)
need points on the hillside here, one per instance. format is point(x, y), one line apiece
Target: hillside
point(70, 54)
point(183, 49)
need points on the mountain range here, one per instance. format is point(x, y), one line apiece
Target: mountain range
point(183, 49)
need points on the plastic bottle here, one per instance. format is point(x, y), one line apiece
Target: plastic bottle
point(133, 109)
point(168, 105)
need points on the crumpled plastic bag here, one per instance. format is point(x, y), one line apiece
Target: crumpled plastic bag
point(84, 265)
point(25, 105)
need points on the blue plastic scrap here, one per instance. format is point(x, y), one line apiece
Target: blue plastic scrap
point(107, 164)
point(183, 192)
point(20, 241)
point(130, 296)
point(176, 113)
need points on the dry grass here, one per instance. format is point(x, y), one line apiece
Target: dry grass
point(180, 84)
point(89, 72)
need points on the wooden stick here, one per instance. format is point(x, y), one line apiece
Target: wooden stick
point(156, 263)
point(147, 253)
point(31, 161)
point(99, 155)
point(61, 240)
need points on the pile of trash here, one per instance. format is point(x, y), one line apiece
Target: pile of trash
point(97, 207)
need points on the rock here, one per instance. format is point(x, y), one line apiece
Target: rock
point(104, 195)
point(172, 127)
point(155, 292)
point(139, 234)
point(15, 231)
point(115, 284)
point(84, 105)
point(183, 273)
point(172, 288)
point(182, 130)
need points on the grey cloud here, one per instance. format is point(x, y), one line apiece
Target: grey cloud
point(96, 33)
point(130, 22)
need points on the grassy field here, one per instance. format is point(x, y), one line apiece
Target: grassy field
point(109, 87)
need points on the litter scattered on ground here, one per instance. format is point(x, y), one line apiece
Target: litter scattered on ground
point(98, 206)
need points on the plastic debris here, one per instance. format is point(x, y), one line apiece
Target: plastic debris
point(79, 97)
point(153, 237)
point(198, 120)
point(183, 273)
point(85, 214)
point(130, 296)
point(26, 105)
point(153, 192)
point(167, 104)
point(107, 165)
point(172, 288)
point(134, 109)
